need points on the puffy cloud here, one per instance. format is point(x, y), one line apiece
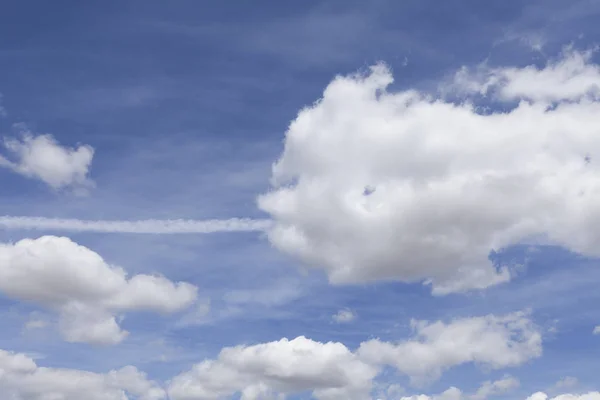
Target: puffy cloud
point(381, 185)
point(329, 370)
point(22, 379)
point(496, 342)
point(596, 330)
point(344, 316)
point(42, 157)
point(568, 396)
point(88, 293)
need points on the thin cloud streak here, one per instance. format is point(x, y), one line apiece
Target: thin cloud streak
point(150, 226)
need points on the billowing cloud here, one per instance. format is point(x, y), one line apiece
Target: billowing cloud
point(496, 342)
point(22, 379)
point(381, 185)
point(43, 158)
point(86, 291)
point(330, 370)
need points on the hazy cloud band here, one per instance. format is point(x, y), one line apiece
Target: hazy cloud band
point(150, 226)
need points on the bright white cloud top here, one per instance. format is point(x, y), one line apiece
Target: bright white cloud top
point(329, 370)
point(380, 185)
point(42, 157)
point(87, 292)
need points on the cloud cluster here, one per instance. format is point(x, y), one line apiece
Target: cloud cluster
point(496, 342)
point(372, 185)
point(381, 185)
point(22, 379)
point(86, 291)
point(42, 157)
point(332, 371)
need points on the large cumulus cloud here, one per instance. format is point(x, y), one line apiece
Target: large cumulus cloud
point(375, 184)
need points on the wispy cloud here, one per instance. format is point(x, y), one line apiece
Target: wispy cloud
point(150, 226)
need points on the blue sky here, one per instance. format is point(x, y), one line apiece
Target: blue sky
point(186, 106)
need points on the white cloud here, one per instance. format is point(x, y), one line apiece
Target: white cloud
point(566, 382)
point(36, 322)
point(376, 185)
point(596, 330)
point(486, 390)
point(568, 396)
point(572, 77)
point(492, 341)
point(450, 394)
point(42, 157)
point(22, 379)
point(329, 370)
point(344, 316)
point(494, 388)
point(505, 386)
point(154, 226)
point(332, 371)
point(88, 293)
point(388, 391)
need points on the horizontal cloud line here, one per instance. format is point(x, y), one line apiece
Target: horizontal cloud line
point(149, 226)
